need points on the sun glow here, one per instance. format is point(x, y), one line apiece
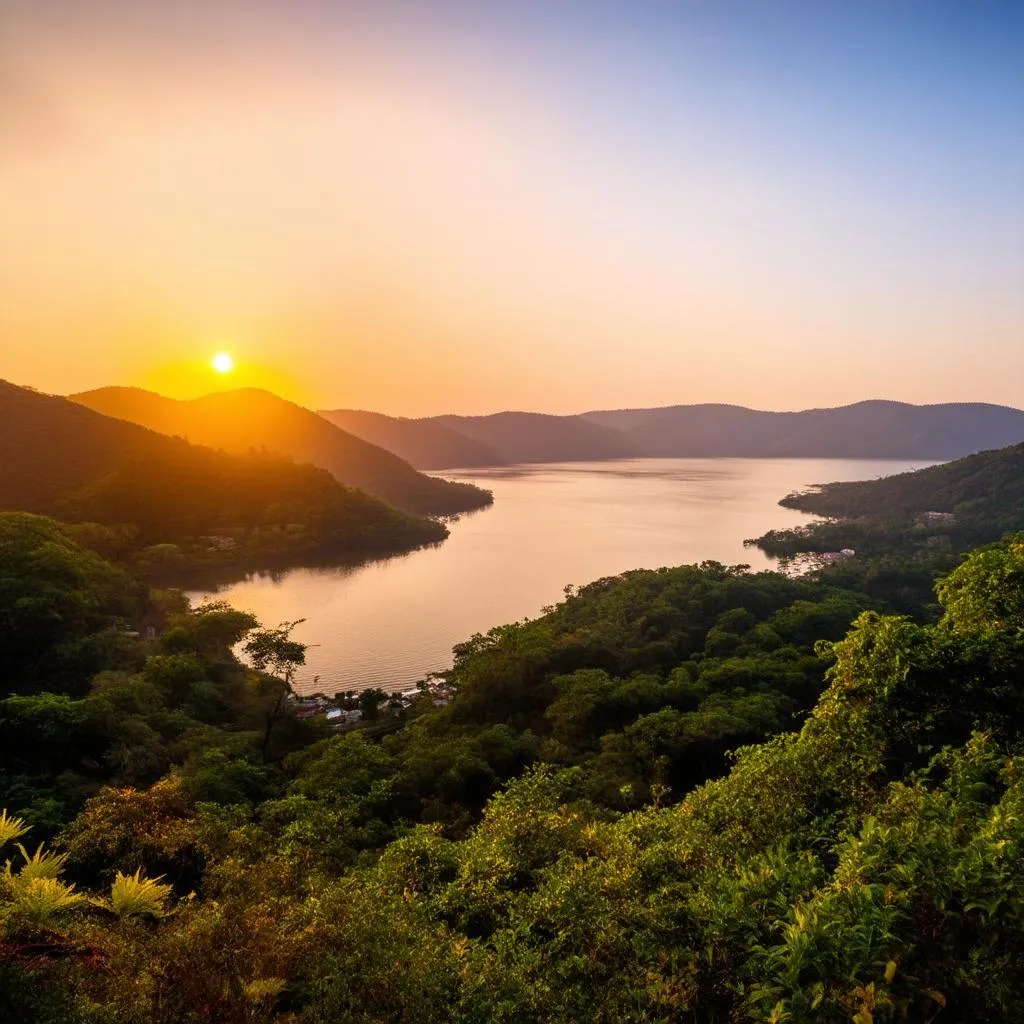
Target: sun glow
point(222, 362)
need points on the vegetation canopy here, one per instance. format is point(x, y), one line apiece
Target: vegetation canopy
point(695, 794)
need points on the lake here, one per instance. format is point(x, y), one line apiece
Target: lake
point(388, 623)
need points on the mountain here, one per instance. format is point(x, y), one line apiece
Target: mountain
point(536, 437)
point(984, 488)
point(903, 532)
point(874, 429)
point(249, 418)
point(425, 444)
point(61, 458)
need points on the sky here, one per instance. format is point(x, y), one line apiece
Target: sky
point(557, 206)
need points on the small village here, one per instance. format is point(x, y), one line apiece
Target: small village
point(353, 708)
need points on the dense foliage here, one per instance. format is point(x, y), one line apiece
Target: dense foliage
point(907, 530)
point(688, 795)
point(987, 487)
point(922, 515)
point(260, 502)
point(162, 502)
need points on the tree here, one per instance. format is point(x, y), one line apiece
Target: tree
point(987, 590)
point(276, 656)
point(55, 598)
point(370, 701)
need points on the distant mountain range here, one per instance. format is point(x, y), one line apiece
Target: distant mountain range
point(866, 430)
point(426, 444)
point(247, 419)
point(59, 458)
point(873, 429)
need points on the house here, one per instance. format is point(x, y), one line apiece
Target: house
point(344, 716)
point(830, 557)
point(308, 712)
point(937, 517)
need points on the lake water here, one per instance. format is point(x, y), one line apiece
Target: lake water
point(388, 623)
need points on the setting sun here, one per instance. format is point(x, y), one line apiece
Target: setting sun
point(222, 362)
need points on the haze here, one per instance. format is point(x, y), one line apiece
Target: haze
point(557, 206)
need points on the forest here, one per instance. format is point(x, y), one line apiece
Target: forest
point(692, 794)
point(985, 488)
point(163, 504)
point(906, 529)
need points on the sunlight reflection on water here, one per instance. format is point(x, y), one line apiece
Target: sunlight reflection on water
point(389, 622)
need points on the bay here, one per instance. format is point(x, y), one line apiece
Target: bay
point(388, 623)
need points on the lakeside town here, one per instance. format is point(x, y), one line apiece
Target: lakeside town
point(353, 708)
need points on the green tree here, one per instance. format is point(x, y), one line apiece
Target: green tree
point(56, 601)
point(277, 657)
point(370, 702)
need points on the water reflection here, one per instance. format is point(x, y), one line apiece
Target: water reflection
point(214, 580)
point(388, 622)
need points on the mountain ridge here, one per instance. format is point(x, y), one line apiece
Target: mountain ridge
point(248, 418)
point(872, 428)
point(64, 459)
point(425, 445)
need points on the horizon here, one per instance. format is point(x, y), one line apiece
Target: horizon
point(531, 206)
point(531, 412)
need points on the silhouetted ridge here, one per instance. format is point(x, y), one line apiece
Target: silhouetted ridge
point(878, 429)
point(536, 437)
point(425, 444)
point(870, 429)
point(60, 458)
point(249, 418)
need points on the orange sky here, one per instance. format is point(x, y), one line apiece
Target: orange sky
point(417, 223)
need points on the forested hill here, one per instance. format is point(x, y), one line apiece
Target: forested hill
point(601, 823)
point(249, 418)
point(61, 458)
point(985, 487)
point(875, 429)
point(425, 444)
point(908, 528)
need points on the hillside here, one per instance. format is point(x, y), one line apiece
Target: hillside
point(424, 444)
point(50, 447)
point(239, 421)
point(535, 437)
point(987, 487)
point(874, 429)
point(907, 529)
point(601, 822)
point(63, 459)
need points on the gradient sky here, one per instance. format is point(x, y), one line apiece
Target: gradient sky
point(466, 207)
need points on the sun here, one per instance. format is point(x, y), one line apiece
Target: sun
point(222, 362)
